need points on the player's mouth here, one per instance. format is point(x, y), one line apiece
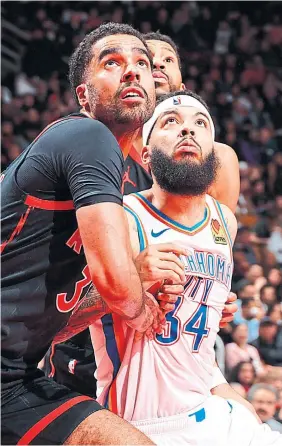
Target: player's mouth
point(132, 94)
point(187, 147)
point(160, 77)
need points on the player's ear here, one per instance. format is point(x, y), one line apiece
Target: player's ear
point(82, 95)
point(182, 87)
point(145, 155)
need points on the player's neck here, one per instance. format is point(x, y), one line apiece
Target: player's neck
point(125, 140)
point(186, 210)
point(138, 143)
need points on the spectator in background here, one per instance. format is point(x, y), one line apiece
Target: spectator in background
point(264, 398)
point(274, 313)
point(269, 342)
point(247, 315)
point(239, 350)
point(243, 373)
point(268, 295)
point(275, 278)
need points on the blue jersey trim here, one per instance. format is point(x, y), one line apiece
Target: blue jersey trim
point(224, 222)
point(111, 347)
point(165, 217)
point(142, 244)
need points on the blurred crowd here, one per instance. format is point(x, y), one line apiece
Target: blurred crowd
point(231, 55)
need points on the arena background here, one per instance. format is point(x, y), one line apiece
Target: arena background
point(232, 56)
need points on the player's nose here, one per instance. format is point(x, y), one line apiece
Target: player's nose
point(186, 131)
point(130, 74)
point(158, 64)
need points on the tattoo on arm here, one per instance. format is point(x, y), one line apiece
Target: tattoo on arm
point(88, 310)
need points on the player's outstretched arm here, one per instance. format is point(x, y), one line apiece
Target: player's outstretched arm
point(226, 188)
point(104, 232)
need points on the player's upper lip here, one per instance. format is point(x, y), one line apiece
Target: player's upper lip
point(187, 143)
point(129, 90)
point(159, 74)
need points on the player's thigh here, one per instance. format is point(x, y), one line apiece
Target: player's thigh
point(104, 428)
point(43, 412)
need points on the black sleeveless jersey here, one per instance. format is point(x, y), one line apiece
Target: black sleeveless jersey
point(75, 162)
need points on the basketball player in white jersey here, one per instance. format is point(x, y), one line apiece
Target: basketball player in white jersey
point(164, 386)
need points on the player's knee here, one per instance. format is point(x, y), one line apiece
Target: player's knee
point(103, 427)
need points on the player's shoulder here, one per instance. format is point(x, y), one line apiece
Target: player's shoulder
point(230, 220)
point(77, 125)
point(225, 151)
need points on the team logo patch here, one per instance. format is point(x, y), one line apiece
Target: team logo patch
point(177, 100)
point(218, 233)
point(71, 365)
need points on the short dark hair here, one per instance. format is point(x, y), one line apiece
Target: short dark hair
point(83, 54)
point(267, 285)
point(245, 302)
point(164, 38)
point(235, 371)
point(165, 96)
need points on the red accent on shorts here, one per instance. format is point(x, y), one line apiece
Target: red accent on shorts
point(38, 427)
point(49, 205)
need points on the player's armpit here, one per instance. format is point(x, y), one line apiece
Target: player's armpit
point(226, 188)
point(231, 221)
point(104, 233)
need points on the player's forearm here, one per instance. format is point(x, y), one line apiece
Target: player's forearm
point(105, 236)
point(90, 309)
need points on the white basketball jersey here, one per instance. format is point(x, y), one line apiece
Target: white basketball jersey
point(172, 373)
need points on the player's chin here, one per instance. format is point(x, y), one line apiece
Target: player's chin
point(161, 89)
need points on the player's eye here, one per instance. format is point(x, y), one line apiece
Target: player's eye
point(111, 63)
point(169, 59)
point(201, 123)
point(171, 120)
point(143, 63)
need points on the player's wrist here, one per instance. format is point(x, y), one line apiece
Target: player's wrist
point(142, 321)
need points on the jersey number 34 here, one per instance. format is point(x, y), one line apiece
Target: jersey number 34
point(196, 326)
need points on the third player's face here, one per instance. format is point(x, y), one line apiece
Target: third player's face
point(120, 83)
point(166, 72)
point(183, 133)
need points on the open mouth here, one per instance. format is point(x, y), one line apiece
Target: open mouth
point(132, 93)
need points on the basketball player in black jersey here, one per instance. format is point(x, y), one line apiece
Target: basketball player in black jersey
point(72, 362)
point(63, 226)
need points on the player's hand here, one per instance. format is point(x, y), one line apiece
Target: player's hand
point(160, 262)
point(229, 310)
point(157, 320)
point(168, 295)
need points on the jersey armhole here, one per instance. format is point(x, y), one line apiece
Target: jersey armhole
point(219, 209)
point(140, 229)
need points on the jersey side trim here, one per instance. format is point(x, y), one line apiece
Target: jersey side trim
point(49, 205)
point(141, 231)
point(171, 223)
point(223, 222)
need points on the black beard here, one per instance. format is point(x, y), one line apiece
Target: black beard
point(114, 114)
point(185, 177)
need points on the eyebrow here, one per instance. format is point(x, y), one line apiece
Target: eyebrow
point(176, 112)
point(119, 50)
